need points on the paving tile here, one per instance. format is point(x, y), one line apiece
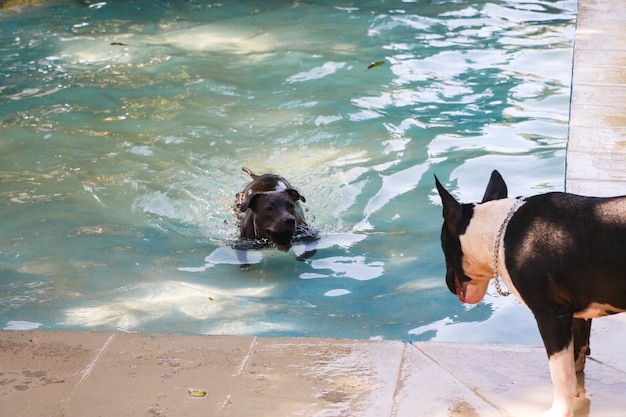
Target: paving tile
point(607, 6)
point(149, 375)
point(39, 371)
point(599, 95)
point(606, 40)
point(594, 116)
point(608, 20)
point(307, 377)
point(592, 187)
point(609, 75)
point(427, 390)
point(596, 59)
point(594, 139)
point(595, 166)
point(601, 17)
point(493, 372)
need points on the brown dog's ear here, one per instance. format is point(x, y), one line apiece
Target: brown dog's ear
point(295, 195)
point(452, 209)
point(249, 203)
point(496, 189)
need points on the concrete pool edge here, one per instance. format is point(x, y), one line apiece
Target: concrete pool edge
point(115, 374)
point(596, 147)
point(50, 373)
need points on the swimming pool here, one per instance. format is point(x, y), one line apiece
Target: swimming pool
point(124, 127)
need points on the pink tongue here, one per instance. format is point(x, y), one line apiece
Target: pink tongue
point(459, 292)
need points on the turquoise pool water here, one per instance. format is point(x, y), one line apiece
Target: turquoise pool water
point(124, 127)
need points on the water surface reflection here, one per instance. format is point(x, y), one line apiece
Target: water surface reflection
point(124, 126)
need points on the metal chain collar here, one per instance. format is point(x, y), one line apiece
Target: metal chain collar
point(496, 245)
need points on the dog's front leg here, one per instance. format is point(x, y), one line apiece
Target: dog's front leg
point(556, 331)
point(563, 377)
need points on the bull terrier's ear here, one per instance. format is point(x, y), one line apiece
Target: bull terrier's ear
point(295, 195)
point(496, 189)
point(249, 203)
point(452, 209)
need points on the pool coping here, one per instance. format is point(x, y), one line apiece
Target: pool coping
point(49, 373)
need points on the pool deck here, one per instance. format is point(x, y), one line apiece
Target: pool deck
point(117, 374)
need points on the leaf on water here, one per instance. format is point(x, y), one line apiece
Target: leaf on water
point(376, 64)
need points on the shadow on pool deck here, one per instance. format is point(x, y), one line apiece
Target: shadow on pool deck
point(115, 374)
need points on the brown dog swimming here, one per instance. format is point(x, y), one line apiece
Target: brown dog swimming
point(269, 210)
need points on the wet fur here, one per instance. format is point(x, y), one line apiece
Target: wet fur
point(563, 255)
point(268, 209)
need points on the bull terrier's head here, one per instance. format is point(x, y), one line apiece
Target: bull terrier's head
point(456, 219)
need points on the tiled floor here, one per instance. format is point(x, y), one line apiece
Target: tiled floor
point(105, 374)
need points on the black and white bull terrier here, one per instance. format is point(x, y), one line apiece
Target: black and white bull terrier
point(269, 210)
point(563, 255)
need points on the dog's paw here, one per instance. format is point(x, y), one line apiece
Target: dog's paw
point(559, 411)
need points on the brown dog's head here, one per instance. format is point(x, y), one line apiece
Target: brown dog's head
point(456, 218)
point(274, 215)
